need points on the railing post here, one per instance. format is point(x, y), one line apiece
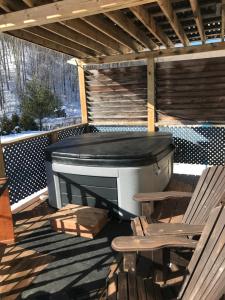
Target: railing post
point(54, 137)
point(151, 94)
point(83, 102)
point(2, 162)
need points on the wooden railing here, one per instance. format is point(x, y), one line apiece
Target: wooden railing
point(22, 160)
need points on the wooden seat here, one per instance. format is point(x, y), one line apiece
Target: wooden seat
point(205, 274)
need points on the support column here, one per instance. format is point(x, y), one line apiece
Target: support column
point(83, 102)
point(151, 94)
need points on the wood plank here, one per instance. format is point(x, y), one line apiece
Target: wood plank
point(63, 10)
point(138, 243)
point(149, 22)
point(6, 221)
point(82, 91)
point(105, 26)
point(166, 7)
point(198, 19)
point(158, 53)
point(84, 28)
point(46, 43)
point(48, 35)
point(127, 25)
point(177, 229)
point(151, 94)
point(122, 286)
point(68, 33)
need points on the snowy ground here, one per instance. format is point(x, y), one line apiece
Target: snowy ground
point(13, 136)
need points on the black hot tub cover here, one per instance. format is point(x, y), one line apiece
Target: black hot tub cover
point(112, 149)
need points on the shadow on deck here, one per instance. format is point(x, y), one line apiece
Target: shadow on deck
point(48, 265)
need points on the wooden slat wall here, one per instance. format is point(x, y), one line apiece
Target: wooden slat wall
point(117, 95)
point(192, 90)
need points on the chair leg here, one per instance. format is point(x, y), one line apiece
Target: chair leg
point(160, 260)
point(129, 261)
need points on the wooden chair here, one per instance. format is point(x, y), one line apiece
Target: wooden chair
point(208, 193)
point(205, 274)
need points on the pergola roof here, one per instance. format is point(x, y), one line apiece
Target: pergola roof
point(107, 30)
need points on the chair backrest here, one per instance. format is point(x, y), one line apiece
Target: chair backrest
point(206, 270)
point(208, 193)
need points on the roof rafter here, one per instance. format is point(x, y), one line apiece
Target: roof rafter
point(167, 9)
point(22, 34)
point(198, 18)
point(72, 35)
point(127, 25)
point(43, 33)
point(145, 17)
point(223, 20)
point(4, 6)
point(115, 32)
point(84, 28)
point(60, 11)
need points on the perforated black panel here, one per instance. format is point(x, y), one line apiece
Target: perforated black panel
point(198, 144)
point(72, 131)
point(25, 167)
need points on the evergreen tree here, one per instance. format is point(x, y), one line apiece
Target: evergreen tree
point(38, 101)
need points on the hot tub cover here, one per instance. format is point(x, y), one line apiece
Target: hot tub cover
point(111, 149)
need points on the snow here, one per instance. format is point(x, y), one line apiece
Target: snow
point(13, 136)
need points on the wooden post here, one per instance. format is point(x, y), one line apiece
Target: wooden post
point(83, 102)
point(6, 221)
point(54, 137)
point(151, 94)
point(2, 163)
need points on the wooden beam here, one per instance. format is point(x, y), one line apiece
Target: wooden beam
point(223, 20)
point(167, 9)
point(198, 18)
point(72, 35)
point(82, 91)
point(149, 22)
point(127, 25)
point(158, 53)
point(62, 10)
point(87, 30)
point(29, 3)
point(105, 26)
point(22, 34)
point(48, 35)
point(4, 6)
point(151, 94)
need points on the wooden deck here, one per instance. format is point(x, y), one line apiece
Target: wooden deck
point(26, 260)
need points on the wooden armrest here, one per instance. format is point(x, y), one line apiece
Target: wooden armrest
point(177, 229)
point(136, 243)
point(160, 196)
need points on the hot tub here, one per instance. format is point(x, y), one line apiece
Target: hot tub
point(107, 169)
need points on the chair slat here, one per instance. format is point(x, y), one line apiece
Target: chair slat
point(195, 194)
point(210, 245)
point(212, 199)
point(197, 202)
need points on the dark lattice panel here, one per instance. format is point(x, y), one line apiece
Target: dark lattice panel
point(72, 131)
point(198, 145)
point(110, 128)
point(25, 167)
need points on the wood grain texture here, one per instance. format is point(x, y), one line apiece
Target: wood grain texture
point(191, 90)
point(117, 94)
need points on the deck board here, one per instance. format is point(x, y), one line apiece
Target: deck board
point(75, 266)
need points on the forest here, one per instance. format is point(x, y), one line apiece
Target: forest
point(21, 61)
